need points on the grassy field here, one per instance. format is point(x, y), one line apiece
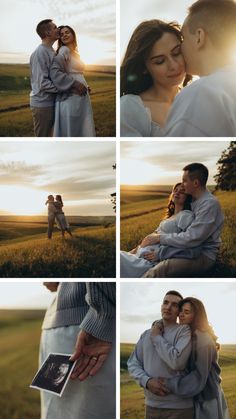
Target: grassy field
point(26, 252)
point(19, 337)
point(15, 115)
point(142, 209)
point(132, 399)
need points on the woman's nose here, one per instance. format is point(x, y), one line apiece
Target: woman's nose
point(173, 63)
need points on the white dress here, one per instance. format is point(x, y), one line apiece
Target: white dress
point(61, 220)
point(134, 265)
point(73, 113)
point(136, 120)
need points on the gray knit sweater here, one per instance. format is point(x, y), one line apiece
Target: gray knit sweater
point(90, 305)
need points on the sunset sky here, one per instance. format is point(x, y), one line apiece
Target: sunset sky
point(79, 171)
point(93, 21)
point(131, 16)
point(141, 303)
point(161, 162)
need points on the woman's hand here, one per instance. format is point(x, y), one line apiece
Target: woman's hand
point(150, 239)
point(157, 329)
point(151, 256)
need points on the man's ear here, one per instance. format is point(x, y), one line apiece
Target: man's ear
point(200, 38)
point(196, 183)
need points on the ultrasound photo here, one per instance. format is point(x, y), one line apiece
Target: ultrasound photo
point(54, 374)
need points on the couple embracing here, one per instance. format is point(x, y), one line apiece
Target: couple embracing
point(59, 99)
point(187, 241)
point(55, 213)
point(159, 62)
point(177, 363)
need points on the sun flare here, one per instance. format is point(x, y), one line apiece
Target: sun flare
point(18, 200)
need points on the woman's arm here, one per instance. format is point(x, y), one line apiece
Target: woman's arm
point(193, 383)
point(175, 356)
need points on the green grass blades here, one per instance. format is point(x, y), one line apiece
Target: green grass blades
point(16, 118)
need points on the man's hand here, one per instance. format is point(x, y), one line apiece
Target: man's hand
point(150, 239)
point(157, 386)
point(91, 353)
point(51, 286)
point(79, 88)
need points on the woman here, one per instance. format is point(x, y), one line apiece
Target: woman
point(152, 73)
point(203, 381)
point(60, 216)
point(178, 217)
point(73, 113)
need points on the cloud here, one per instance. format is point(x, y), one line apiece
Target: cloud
point(79, 170)
point(81, 189)
point(18, 172)
point(95, 18)
point(174, 155)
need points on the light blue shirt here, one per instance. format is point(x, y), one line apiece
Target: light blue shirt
point(162, 356)
point(205, 229)
point(205, 108)
point(43, 90)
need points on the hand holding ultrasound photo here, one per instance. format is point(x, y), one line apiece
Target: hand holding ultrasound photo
point(54, 374)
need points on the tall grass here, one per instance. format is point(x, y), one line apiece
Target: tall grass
point(15, 88)
point(135, 226)
point(89, 254)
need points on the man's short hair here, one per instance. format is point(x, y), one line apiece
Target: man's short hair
point(173, 292)
point(197, 171)
point(43, 27)
point(217, 18)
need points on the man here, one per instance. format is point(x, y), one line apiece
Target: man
point(52, 212)
point(82, 318)
point(207, 107)
point(42, 96)
point(204, 231)
point(165, 354)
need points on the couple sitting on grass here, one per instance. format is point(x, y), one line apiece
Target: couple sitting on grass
point(187, 240)
point(55, 213)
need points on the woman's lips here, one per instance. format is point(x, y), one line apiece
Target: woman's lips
point(175, 75)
